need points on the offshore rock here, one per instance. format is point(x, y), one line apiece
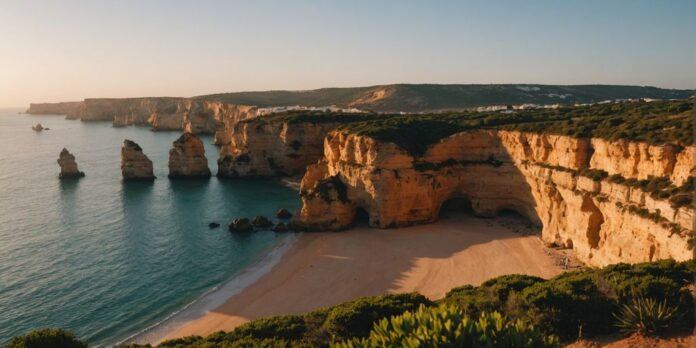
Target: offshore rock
point(213, 225)
point(261, 221)
point(240, 225)
point(283, 214)
point(187, 158)
point(68, 166)
point(280, 228)
point(38, 127)
point(134, 163)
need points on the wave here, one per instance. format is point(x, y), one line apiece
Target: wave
point(212, 298)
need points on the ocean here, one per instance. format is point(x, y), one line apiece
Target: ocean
point(107, 259)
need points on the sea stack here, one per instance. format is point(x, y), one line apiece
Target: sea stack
point(187, 158)
point(134, 163)
point(68, 166)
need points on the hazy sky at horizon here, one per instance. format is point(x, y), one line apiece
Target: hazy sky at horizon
point(70, 50)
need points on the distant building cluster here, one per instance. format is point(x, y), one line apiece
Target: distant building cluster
point(508, 109)
point(279, 109)
point(512, 108)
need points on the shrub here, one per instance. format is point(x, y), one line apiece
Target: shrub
point(491, 295)
point(569, 305)
point(47, 338)
point(289, 327)
point(355, 318)
point(645, 316)
point(448, 326)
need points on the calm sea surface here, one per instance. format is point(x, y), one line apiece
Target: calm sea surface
point(104, 258)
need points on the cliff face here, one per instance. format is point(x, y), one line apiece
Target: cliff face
point(187, 158)
point(165, 113)
point(272, 149)
point(135, 165)
point(538, 176)
point(65, 108)
point(68, 166)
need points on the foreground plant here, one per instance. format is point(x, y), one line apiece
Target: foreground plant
point(448, 326)
point(46, 338)
point(645, 316)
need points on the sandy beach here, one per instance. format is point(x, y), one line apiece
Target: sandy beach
point(323, 269)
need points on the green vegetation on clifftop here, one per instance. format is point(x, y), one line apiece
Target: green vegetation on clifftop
point(435, 97)
point(654, 122)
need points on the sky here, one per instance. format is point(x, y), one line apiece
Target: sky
point(70, 50)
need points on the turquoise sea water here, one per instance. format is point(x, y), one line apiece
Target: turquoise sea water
point(104, 258)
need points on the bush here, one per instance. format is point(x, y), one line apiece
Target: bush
point(492, 295)
point(645, 316)
point(569, 305)
point(448, 326)
point(47, 338)
point(355, 318)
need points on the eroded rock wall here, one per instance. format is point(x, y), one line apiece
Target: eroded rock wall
point(135, 165)
point(532, 174)
point(187, 158)
point(272, 149)
point(64, 108)
point(161, 113)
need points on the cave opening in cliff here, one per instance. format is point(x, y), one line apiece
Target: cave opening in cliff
point(362, 218)
point(517, 221)
point(456, 206)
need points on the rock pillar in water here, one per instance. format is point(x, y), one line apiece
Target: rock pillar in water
point(134, 163)
point(68, 166)
point(187, 158)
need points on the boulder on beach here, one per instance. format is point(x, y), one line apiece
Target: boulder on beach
point(284, 214)
point(68, 166)
point(261, 221)
point(280, 228)
point(240, 225)
point(187, 158)
point(135, 165)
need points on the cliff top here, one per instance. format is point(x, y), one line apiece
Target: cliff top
point(432, 97)
point(654, 122)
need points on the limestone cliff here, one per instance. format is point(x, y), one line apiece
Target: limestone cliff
point(135, 165)
point(558, 182)
point(64, 108)
point(272, 148)
point(187, 158)
point(185, 114)
point(68, 166)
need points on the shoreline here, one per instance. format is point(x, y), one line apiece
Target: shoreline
point(335, 267)
point(214, 297)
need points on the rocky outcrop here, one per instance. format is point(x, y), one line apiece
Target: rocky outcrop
point(258, 148)
point(537, 176)
point(68, 166)
point(64, 108)
point(190, 115)
point(187, 158)
point(135, 165)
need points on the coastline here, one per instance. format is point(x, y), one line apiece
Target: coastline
point(324, 269)
point(214, 297)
